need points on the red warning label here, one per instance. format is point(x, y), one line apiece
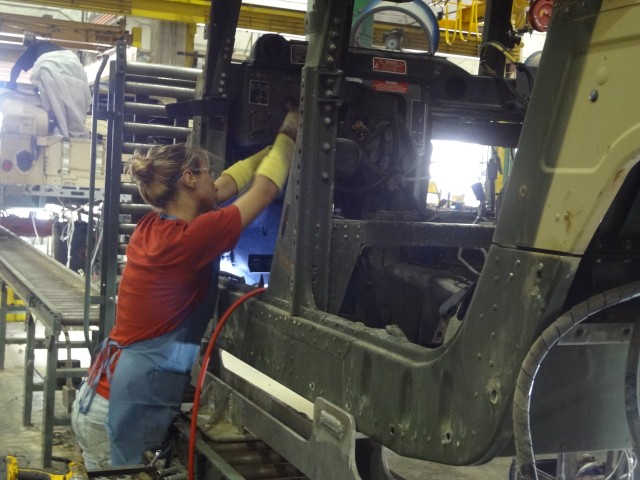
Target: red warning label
point(386, 86)
point(389, 65)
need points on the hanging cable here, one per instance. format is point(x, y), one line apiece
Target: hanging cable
point(458, 22)
point(466, 264)
point(203, 371)
point(525, 458)
point(519, 65)
point(631, 386)
point(72, 226)
point(455, 23)
point(35, 227)
point(630, 460)
point(473, 19)
point(501, 48)
point(474, 8)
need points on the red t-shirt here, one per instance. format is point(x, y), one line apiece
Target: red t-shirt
point(168, 272)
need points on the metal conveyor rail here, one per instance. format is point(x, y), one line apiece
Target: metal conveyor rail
point(52, 291)
point(55, 295)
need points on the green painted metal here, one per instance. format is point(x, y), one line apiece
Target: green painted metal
point(367, 26)
point(353, 313)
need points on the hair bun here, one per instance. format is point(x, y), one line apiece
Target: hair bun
point(142, 168)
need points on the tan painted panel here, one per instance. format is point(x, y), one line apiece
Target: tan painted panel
point(602, 141)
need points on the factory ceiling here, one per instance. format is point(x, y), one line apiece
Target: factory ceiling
point(252, 16)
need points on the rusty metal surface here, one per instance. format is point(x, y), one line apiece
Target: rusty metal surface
point(54, 292)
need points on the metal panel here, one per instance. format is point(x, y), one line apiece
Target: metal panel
point(456, 399)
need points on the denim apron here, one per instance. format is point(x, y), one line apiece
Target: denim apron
point(149, 380)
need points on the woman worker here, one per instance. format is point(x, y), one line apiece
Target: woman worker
point(166, 296)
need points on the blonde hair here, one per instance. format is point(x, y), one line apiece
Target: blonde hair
point(157, 172)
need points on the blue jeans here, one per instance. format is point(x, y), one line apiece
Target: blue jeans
point(90, 430)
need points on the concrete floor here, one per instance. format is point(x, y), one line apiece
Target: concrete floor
point(25, 442)
point(410, 469)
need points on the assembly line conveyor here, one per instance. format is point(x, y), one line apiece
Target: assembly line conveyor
point(55, 296)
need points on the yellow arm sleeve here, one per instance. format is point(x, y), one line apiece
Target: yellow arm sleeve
point(276, 164)
point(242, 171)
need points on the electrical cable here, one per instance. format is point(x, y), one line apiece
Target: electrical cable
point(456, 22)
point(71, 230)
point(631, 386)
point(630, 465)
point(501, 48)
point(473, 19)
point(519, 66)
point(203, 371)
point(466, 264)
point(35, 228)
point(525, 457)
point(482, 250)
point(96, 248)
point(632, 462)
point(511, 89)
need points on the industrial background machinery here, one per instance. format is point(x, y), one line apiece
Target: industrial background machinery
point(448, 336)
point(411, 327)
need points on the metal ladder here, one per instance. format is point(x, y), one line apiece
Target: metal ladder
point(136, 120)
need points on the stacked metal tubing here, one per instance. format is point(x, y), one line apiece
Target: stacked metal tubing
point(150, 80)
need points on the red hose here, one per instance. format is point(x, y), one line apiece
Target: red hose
point(203, 371)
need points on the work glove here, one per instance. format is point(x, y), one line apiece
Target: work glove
point(290, 124)
point(277, 157)
point(275, 165)
point(242, 172)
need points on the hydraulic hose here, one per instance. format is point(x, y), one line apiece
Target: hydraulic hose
point(525, 459)
point(203, 371)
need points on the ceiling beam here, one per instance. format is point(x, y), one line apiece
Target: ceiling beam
point(185, 11)
point(253, 17)
point(66, 33)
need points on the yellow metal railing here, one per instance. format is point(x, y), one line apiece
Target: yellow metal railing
point(466, 15)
